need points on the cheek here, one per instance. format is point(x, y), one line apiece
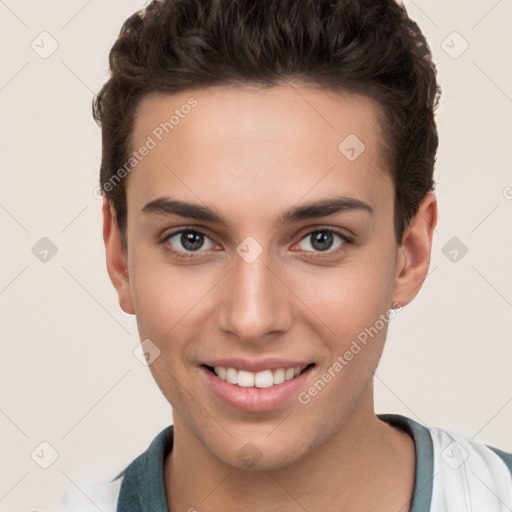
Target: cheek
point(165, 300)
point(171, 307)
point(356, 313)
point(164, 295)
point(349, 297)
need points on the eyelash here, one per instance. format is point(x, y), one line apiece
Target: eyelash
point(346, 240)
point(329, 254)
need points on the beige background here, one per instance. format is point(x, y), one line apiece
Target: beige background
point(68, 375)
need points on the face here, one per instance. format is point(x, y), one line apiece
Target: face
point(260, 244)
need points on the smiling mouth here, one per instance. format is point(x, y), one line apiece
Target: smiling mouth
point(263, 379)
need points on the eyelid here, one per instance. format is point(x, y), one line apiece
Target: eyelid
point(168, 235)
point(345, 233)
point(347, 239)
point(175, 231)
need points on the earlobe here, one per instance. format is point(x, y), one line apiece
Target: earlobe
point(413, 255)
point(117, 262)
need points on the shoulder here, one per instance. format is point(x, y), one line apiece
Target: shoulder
point(469, 472)
point(455, 473)
point(89, 498)
point(141, 482)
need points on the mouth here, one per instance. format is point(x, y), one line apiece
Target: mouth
point(264, 379)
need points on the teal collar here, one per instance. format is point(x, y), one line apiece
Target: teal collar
point(422, 495)
point(142, 488)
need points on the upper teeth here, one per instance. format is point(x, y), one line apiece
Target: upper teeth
point(264, 379)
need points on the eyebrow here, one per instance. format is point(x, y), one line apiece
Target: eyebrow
point(316, 209)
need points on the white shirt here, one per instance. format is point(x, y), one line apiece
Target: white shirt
point(453, 474)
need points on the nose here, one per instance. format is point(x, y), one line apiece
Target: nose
point(256, 301)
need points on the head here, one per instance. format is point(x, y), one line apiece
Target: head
point(303, 131)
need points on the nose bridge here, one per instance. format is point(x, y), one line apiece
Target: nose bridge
point(255, 302)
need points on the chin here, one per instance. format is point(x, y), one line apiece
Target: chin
point(262, 455)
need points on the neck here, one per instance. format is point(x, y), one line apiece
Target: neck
point(366, 464)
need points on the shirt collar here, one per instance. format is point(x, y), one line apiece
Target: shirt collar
point(143, 490)
point(422, 494)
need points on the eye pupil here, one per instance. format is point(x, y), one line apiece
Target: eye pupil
point(322, 241)
point(191, 241)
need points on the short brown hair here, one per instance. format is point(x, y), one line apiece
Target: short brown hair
point(370, 47)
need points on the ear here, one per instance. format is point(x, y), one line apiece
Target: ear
point(413, 255)
point(117, 261)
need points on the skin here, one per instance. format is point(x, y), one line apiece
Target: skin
point(251, 154)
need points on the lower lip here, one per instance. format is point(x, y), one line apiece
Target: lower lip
point(255, 399)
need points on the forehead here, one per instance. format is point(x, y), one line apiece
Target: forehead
point(283, 142)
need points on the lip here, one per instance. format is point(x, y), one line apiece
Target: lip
point(256, 366)
point(254, 399)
